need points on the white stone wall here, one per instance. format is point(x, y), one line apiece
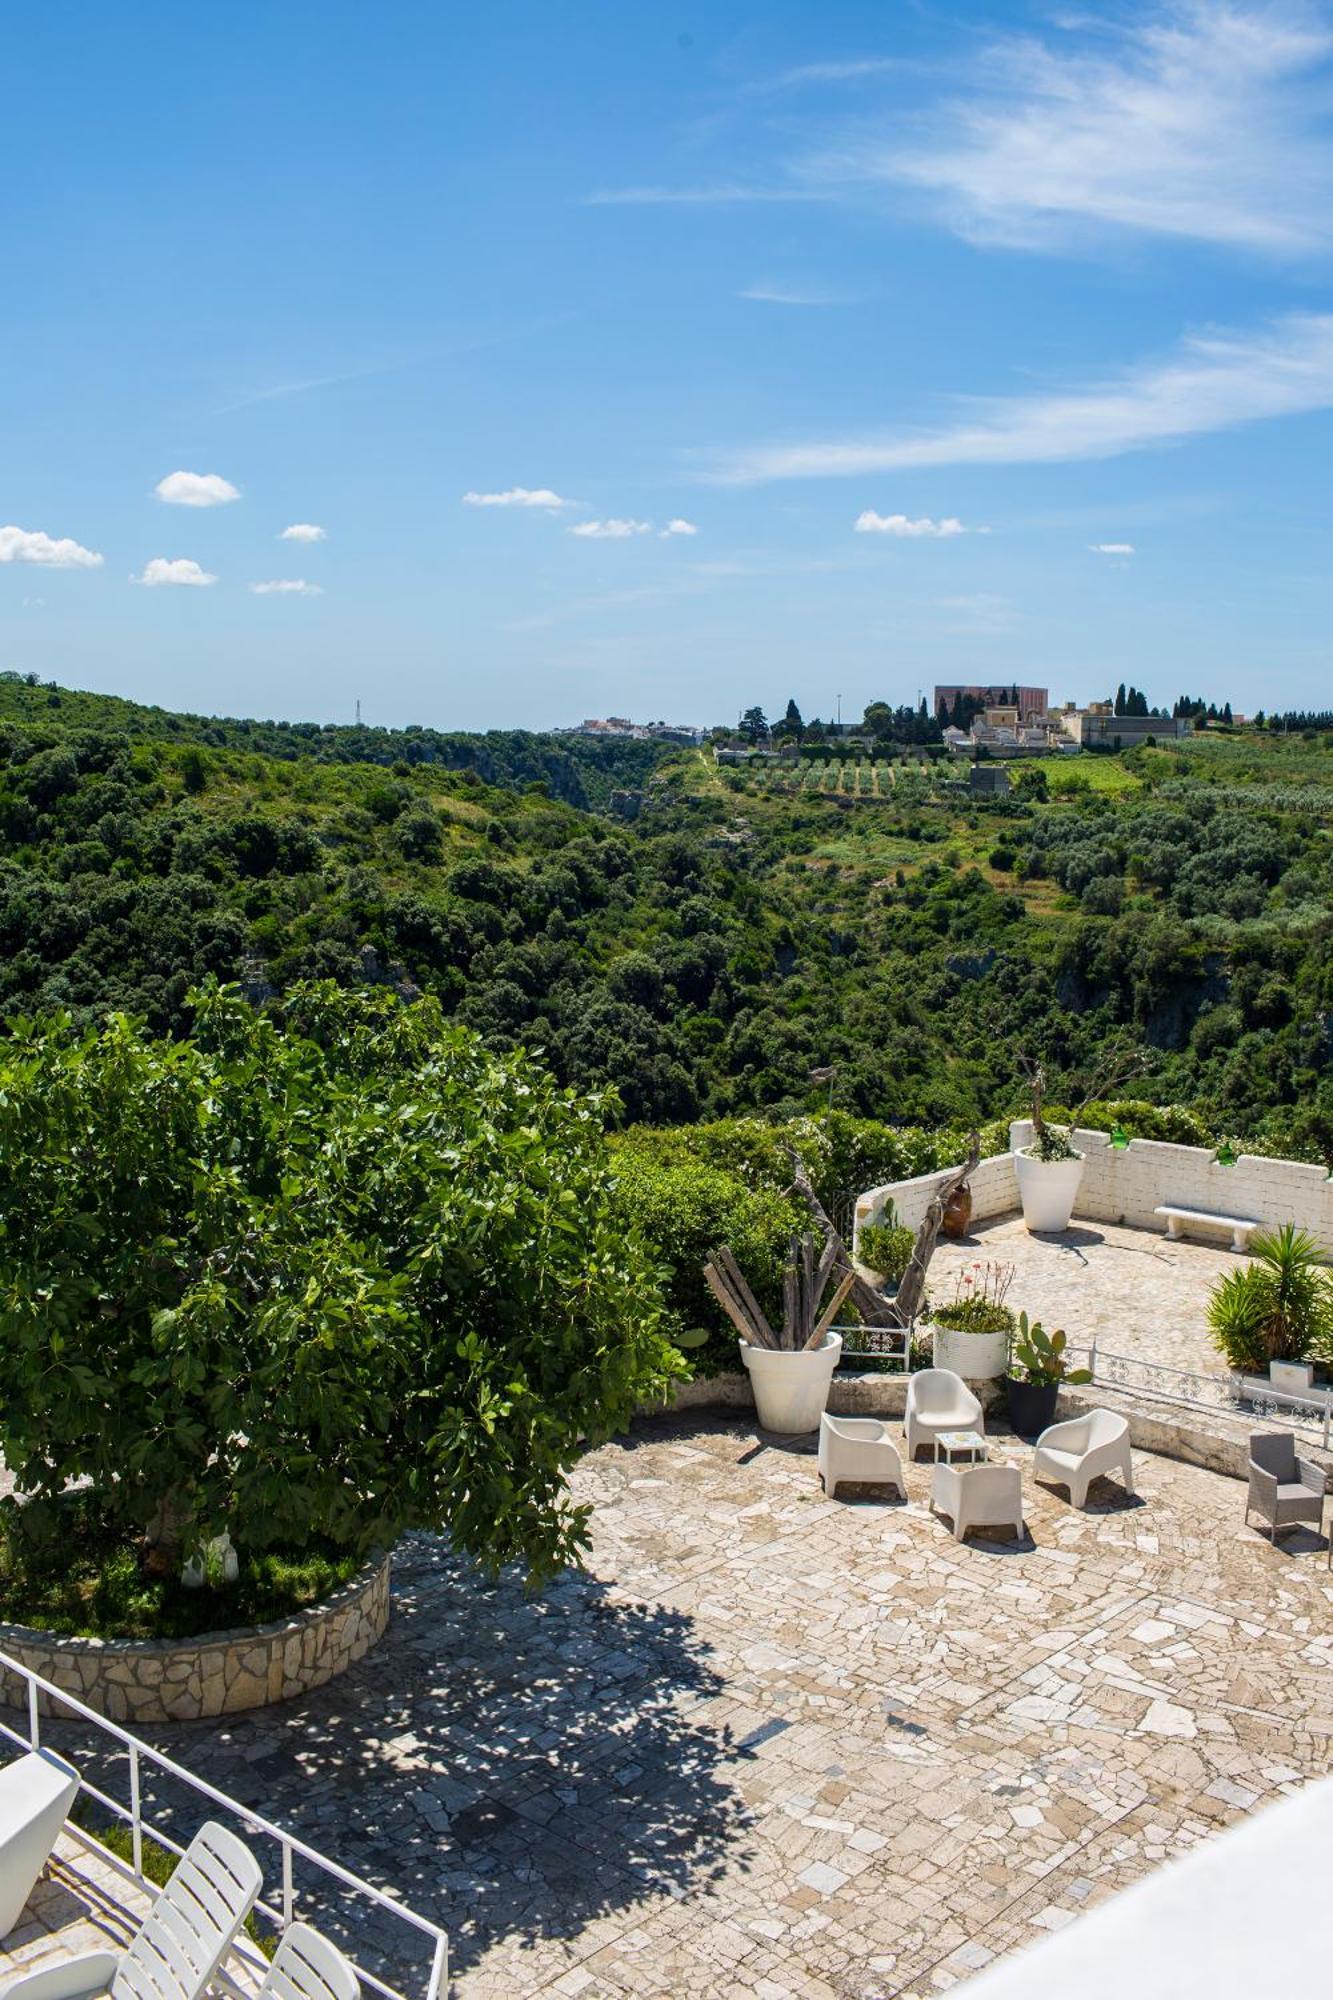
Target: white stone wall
point(1127, 1184)
point(218, 1673)
point(994, 1192)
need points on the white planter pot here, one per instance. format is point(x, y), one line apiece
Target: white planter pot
point(790, 1390)
point(977, 1357)
point(1047, 1190)
point(1295, 1377)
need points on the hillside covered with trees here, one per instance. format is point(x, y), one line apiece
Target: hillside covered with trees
point(701, 938)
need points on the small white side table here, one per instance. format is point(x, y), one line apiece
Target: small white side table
point(950, 1445)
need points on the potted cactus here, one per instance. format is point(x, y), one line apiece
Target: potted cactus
point(1037, 1373)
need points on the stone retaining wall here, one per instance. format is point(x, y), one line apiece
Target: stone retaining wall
point(217, 1673)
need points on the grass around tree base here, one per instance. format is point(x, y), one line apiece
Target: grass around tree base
point(61, 1570)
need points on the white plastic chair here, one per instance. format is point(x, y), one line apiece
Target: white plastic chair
point(855, 1450)
point(177, 1950)
point(938, 1400)
point(1080, 1450)
point(978, 1496)
point(307, 1967)
point(36, 1793)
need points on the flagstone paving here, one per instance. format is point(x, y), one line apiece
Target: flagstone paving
point(1135, 1292)
point(772, 1745)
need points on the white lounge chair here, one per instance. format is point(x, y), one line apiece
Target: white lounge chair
point(855, 1450)
point(177, 1950)
point(1075, 1453)
point(978, 1496)
point(36, 1793)
point(938, 1400)
point(307, 1967)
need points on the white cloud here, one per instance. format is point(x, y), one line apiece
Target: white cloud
point(1111, 548)
point(678, 527)
point(1199, 118)
point(30, 545)
point(287, 586)
point(196, 489)
point(303, 531)
point(520, 496)
point(792, 295)
point(1214, 382)
point(178, 569)
point(871, 523)
point(614, 530)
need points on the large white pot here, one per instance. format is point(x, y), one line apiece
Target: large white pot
point(1047, 1190)
point(790, 1390)
point(977, 1357)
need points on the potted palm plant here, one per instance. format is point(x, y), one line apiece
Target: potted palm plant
point(1267, 1315)
point(1037, 1373)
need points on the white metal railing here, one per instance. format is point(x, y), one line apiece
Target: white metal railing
point(289, 1846)
point(1226, 1395)
point(878, 1343)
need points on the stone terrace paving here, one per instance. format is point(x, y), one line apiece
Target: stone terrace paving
point(1134, 1291)
point(774, 1745)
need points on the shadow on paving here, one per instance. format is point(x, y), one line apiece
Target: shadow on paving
point(510, 1766)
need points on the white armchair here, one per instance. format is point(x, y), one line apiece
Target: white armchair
point(856, 1450)
point(1075, 1453)
point(938, 1400)
point(36, 1793)
point(978, 1496)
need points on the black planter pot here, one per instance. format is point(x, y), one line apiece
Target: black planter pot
point(1031, 1405)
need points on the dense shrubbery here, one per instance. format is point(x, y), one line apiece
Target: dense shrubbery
point(312, 1281)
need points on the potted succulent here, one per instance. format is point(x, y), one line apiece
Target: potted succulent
point(971, 1332)
point(1037, 1373)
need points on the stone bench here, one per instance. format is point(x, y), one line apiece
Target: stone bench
point(1178, 1219)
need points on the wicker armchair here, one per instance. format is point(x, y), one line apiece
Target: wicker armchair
point(1284, 1490)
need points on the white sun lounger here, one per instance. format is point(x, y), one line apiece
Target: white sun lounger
point(177, 1950)
point(36, 1793)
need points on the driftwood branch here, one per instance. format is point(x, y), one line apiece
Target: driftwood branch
point(912, 1290)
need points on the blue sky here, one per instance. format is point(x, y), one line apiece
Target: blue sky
point(782, 349)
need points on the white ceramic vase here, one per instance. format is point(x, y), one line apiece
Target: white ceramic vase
point(1048, 1190)
point(790, 1390)
point(977, 1357)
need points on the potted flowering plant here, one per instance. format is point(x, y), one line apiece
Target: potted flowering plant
point(972, 1330)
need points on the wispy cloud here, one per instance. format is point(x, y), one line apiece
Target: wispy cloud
point(521, 496)
point(1111, 548)
point(30, 545)
point(173, 570)
point(1204, 119)
point(710, 194)
point(303, 531)
point(870, 523)
point(613, 530)
point(677, 526)
point(793, 295)
point(856, 70)
point(196, 489)
point(287, 586)
point(1215, 382)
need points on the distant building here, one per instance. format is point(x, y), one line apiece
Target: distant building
point(1098, 727)
point(990, 780)
point(620, 729)
point(1028, 701)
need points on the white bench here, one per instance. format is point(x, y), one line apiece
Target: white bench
point(1178, 1219)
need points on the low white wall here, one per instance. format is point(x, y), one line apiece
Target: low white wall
point(994, 1192)
point(1126, 1184)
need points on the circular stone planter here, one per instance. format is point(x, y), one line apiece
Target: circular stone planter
point(213, 1673)
point(790, 1390)
point(1047, 1190)
point(977, 1357)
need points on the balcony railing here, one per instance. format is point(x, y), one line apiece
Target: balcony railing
point(290, 1849)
